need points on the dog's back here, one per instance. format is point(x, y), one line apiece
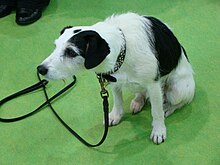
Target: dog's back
point(162, 41)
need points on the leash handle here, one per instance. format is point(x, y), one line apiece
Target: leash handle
point(42, 84)
point(19, 93)
point(24, 91)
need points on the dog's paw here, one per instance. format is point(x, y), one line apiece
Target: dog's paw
point(158, 134)
point(114, 118)
point(136, 106)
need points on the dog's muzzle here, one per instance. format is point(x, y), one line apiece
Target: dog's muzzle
point(42, 70)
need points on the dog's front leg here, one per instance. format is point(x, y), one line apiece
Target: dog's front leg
point(158, 134)
point(117, 112)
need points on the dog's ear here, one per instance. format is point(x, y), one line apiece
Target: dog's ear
point(92, 46)
point(67, 27)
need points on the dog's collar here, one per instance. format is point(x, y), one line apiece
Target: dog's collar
point(118, 64)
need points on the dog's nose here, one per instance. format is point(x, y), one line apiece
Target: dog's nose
point(42, 70)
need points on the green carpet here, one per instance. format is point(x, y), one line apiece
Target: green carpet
point(193, 132)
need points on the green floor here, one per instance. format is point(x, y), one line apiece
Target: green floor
point(193, 132)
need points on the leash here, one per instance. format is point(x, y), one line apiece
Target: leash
point(42, 84)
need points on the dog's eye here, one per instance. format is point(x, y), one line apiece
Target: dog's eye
point(70, 53)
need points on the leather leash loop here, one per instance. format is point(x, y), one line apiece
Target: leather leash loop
point(24, 91)
point(42, 84)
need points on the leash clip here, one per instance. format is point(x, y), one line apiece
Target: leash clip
point(103, 83)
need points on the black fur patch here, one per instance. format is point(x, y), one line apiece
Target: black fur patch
point(77, 30)
point(69, 52)
point(67, 27)
point(80, 42)
point(166, 45)
point(92, 47)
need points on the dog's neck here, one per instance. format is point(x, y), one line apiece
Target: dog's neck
point(120, 59)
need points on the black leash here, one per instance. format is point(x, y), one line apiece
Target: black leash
point(42, 84)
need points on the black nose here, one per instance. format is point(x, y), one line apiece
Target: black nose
point(42, 70)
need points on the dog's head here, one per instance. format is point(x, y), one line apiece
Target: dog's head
point(77, 48)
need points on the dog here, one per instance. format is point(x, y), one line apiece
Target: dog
point(129, 50)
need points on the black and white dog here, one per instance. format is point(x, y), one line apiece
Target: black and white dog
point(139, 52)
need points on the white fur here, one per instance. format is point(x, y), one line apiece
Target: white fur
point(137, 72)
